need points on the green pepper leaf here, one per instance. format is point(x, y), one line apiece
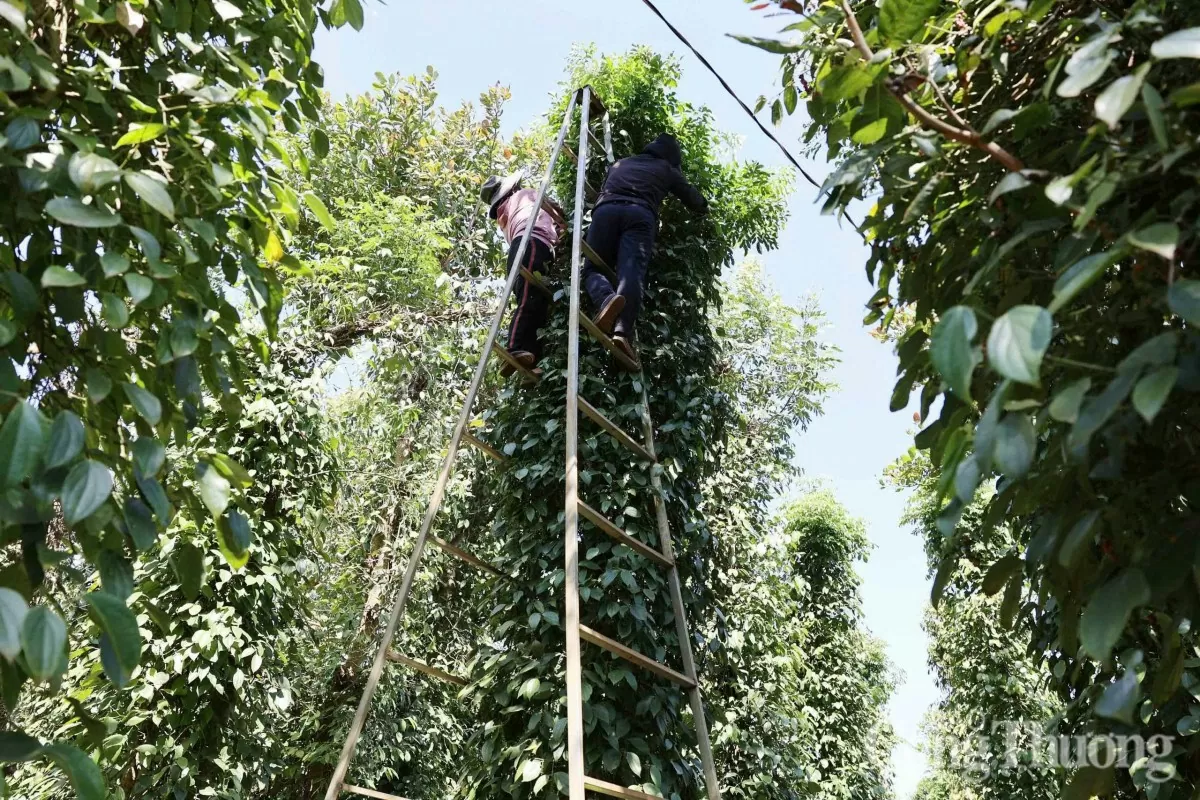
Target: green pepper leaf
point(1018, 341)
point(66, 440)
point(88, 485)
point(21, 439)
point(144, 403)
point(1108, 611)
point(124, 640)
point(952, 350)
point(56, 277)
point(70, 211)
point(44, 642)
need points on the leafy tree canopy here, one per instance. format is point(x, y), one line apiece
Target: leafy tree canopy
point(142, 171)
point(1033, 231)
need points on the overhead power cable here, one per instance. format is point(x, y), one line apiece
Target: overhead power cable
point(787, 153)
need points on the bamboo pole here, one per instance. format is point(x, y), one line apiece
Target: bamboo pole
point(681, 626)
point(575, 762)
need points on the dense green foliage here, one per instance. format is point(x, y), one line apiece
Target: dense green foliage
point(981, 662)
point(207, 709)
point(1033, 171)
point(845, 680)
point(139, 162)
point(795, 688)
point(636, 727)
point(393, 283)
point(242, 668)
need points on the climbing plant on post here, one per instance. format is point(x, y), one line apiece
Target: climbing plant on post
point(1033, 172)
point(634, 724)
point(139, 166)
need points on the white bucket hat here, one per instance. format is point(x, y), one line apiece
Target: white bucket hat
point(496, 189)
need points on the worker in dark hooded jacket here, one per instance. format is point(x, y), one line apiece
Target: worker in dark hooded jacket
point(624, 224)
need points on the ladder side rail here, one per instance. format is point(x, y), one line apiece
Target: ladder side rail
point(608, 147)
point(574, 676)
point(681, 626)
point(435, 502)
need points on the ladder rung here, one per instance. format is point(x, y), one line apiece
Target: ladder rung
point(593, 516)
point(618, 434)
point(634, 657)
point(421, 666)
point(612, 790)
point(484, 447)
point(595, 140)
point(598, 262)
point(507, 357)
point(569, 153)
point(535, 281)
point(474, 561)
point(372, 793)
point(607, 343)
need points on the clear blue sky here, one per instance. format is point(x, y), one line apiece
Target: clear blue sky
point(524, 44)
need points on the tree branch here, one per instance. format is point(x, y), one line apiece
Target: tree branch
point(965, 135)
point(946, 104)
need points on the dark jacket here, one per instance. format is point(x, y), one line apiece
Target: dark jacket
point(646, 179)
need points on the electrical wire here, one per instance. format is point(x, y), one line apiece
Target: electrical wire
point(787, 153)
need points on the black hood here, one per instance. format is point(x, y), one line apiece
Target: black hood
point(667, 148)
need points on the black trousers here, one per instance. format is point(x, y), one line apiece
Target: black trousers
point(532, 303)
point(623, 235)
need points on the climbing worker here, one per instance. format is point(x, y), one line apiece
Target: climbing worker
point(512, 207)
point(624, 224)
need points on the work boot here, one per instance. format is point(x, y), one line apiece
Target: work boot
point(609, 312)
point(629, 351)
point(522, 357)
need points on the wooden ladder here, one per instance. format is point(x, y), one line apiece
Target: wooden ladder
point(662, 556)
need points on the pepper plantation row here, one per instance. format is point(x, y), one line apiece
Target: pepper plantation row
point(1030, 176)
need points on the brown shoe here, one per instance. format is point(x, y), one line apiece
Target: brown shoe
point(609, 313)
point(522, 357)
point(629, 351)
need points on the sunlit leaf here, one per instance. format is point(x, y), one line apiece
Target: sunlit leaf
point(902, 20)
point(13, 611)
point(142, 132)
point(153, 191)
point(1018, 341)
point(214, 489)
point(1178, 44)
point(770, 45)
point(319, 210)
point(1113, 103)
point(70, 211)
point(56, 277)
point(1162, 238)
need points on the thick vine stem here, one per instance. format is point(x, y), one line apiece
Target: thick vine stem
point(967, 135)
